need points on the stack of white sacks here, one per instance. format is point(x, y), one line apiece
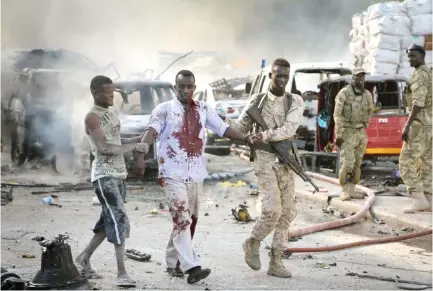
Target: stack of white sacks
point(381, 35)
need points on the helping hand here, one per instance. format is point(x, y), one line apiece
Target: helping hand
point(255, 138)
point(142, 148)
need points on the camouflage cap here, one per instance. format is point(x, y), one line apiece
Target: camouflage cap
point(415, 47)
point(358, 71)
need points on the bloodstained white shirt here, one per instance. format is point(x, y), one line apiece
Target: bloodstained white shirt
point(182, 139)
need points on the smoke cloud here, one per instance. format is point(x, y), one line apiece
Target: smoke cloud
point(131, 32)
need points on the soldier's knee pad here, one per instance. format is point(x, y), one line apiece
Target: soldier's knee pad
point(357, 176)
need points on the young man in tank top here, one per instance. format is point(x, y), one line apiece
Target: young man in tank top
point(108, 174)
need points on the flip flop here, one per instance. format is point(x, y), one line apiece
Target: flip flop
point(91, 274)
point(126, 283)
point(136, 255)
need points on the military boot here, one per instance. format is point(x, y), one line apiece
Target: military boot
point(419, 202)
point(352, 192)
point(252, 256)
point(276, 266)
point(345, 193)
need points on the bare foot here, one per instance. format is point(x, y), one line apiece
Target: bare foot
point(84, 263)
point(125, 281)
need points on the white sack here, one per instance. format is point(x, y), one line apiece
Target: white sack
point(403, 57)
point(407, 72)
point(384, 41)
point(385, 56)
point(415, 7)
point(428, 57)
point(357, 46)
point(389, 24)
point(357, 20)
point(388, 8)
point(378, 68)
point(353, 34)
point(422, 24)
point(363, 30)
point(406, 41)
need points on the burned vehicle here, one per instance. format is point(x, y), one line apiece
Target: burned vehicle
point(134, 100)
point(228, 98)
point(40, 88)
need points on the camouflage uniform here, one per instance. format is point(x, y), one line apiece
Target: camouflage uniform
point(352, 115)
point(276, 180)
point(416, 155)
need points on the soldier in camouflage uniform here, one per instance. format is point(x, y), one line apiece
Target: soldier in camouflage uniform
point(416, 154)
point(276, 180)
point(352, 114)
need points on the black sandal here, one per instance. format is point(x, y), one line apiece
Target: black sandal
point(175, 272)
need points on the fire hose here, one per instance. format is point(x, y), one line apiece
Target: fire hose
point(346, 221)
point(340, 222)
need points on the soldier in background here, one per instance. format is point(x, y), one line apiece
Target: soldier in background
point(282, 113)
point(352, 114)
point(416, 154)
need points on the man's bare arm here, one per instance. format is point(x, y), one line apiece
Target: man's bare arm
point(234, 134)
point(97, 135)
point(135, 139)
point(148, 138)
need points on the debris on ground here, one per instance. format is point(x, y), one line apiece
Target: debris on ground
point(397, 280)
point(154, 211)
point(378, 221)
point(241, 214)
point(28, 256)
point(137, 255)
point(6, 195)
point(325, 266)
point(254, 192)
point(229, 184)
point(206, 214)
point(38, 238)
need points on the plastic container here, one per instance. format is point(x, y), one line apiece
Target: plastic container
point(47, 200)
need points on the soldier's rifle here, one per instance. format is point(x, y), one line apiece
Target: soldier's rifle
point(282, 148)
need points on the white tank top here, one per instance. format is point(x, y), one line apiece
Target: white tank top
point(107, 165)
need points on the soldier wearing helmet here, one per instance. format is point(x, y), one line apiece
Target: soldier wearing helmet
point(416, 154)
point(352, 114)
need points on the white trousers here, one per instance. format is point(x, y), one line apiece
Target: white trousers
point(183, 202)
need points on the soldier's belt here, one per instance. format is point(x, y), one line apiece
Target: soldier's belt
point(265, 147)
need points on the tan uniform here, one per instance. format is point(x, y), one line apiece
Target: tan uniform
point(416, 155)
point(276, 180)
point(352, 115)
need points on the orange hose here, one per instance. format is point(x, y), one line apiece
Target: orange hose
point(341, 222)
point(427, 231)
point(336, 223)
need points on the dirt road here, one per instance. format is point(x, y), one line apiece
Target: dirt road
point(218, 240)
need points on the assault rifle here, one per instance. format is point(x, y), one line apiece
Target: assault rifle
point(282, 148)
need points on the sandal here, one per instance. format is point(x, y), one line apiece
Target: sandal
point(126, 283)
point(136, 255)
point(175, 272)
